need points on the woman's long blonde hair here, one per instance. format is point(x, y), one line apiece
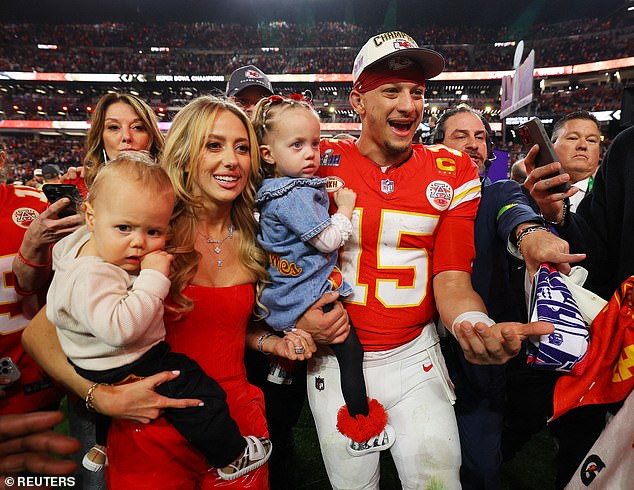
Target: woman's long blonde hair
point(95, 151)
point(184, 145)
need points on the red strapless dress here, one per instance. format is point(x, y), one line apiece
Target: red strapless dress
point(156, 456)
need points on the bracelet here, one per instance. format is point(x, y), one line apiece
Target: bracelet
point(90, 397)
point(473, 317)
point(563, 217)
point(24, 260)
point(527, 231)
point(261, 340)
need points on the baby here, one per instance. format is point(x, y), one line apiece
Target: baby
point(106, 299)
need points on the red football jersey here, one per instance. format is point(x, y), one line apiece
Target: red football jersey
point(410, 222)
point(19, 205)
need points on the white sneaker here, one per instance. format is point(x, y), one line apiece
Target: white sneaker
point(95, 459)
point(256, 453)
point(377, 443)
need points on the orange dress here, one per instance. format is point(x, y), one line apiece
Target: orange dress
point(156, 455)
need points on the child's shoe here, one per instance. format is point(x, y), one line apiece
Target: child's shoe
point(95, 459)
point(256, 453)
point(366, 433)
point(377, 443)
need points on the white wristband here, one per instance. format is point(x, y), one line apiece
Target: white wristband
point(473, 317)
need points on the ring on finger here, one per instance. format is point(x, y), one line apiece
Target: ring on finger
point(299, 350)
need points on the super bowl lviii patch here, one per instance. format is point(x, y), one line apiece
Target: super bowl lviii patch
point(330, 159)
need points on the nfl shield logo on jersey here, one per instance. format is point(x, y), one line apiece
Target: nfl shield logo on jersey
point(387, 186)
point(319, 383)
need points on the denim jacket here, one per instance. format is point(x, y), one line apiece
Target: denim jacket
point(292, 211)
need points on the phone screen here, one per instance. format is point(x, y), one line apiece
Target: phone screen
point(54, 192)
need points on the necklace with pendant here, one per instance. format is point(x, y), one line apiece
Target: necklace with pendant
point(217, 244)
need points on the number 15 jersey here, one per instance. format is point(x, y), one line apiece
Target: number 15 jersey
point(411, 221)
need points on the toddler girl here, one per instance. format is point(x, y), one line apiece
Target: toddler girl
point(302, 241)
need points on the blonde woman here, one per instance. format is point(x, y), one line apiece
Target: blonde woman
point(211, 155)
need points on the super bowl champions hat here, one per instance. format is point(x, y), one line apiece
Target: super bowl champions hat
point(399, 48)
point(247, 76)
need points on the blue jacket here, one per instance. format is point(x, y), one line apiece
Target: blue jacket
point(502, 208)
point(292, 211)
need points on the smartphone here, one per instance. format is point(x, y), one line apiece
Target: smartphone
point(10, 370)
point(533, 132)
point(54, 192)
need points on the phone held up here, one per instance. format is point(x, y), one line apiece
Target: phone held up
point(9, 370)
point(54, 192)
point(533, 132)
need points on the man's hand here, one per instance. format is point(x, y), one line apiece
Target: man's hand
point(326, 328)
point(47, 228)
point(27, 441)
point(551, 204)
point(542, 246)
point(43, 231)
point(496, 344)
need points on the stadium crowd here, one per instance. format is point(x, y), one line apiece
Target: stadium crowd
point(281, 47)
